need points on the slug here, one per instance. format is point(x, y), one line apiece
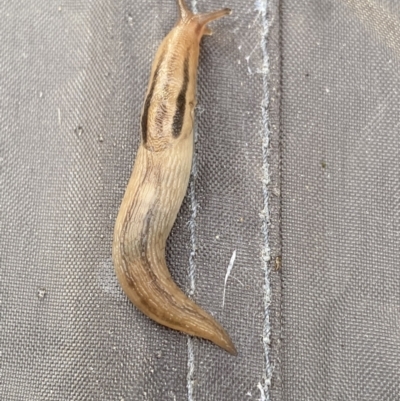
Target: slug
point(159, 182)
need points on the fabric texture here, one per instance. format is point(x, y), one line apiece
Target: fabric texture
point(340, 200)
point(72, 84)
point(295, 186)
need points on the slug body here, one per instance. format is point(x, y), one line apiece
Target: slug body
point(159, 182)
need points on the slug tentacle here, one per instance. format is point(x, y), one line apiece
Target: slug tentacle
point(158, 185)
point(184, 13)
point(186, 16)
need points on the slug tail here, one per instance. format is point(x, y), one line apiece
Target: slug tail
point(163, 301)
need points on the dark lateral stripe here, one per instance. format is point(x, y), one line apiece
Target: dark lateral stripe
point(145, 115)
point(181, 102)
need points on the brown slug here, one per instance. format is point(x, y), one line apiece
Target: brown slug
point(159, 182)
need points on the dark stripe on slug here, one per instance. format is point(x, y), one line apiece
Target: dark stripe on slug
point(146, 267)
point(181, 102)
point(145, 114)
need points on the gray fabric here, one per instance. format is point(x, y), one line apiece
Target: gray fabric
point(340, 200)
point(72, 83)
point(326, 194)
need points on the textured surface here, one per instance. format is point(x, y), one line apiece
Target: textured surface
point(340, 200)
point(72, 84)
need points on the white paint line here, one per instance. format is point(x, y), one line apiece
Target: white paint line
point(262, 7)
point(192, 262)
point(228, 272)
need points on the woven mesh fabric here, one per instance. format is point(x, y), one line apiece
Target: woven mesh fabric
point(72, 83)
point(340, 200)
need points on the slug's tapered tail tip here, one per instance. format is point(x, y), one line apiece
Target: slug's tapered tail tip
point(210, 329)
point(229, 347)
point(213, 331)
